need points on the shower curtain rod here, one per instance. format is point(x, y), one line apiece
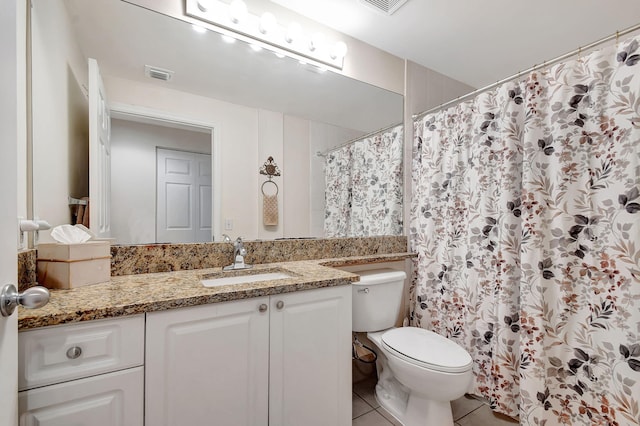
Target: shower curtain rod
point(349, 142)
point(545, 64)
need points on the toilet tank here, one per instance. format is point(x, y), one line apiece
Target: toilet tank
point(377, 299)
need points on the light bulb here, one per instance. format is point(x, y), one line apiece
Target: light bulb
point(316, 42)
point(205, 5)
point(268, 23)
point(293, 32)
point(339, 50)
point(237, 11)
point(198, 28)
point(228, 39)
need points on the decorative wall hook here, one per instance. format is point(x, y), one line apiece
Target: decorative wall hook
point(270, 168)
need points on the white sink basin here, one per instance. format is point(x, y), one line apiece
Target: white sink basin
point(244, 279)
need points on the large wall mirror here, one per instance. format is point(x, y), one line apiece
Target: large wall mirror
point(224, 111)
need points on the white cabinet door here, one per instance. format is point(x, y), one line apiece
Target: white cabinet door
point(208, 365)
point(310, 364)
point(114, 399)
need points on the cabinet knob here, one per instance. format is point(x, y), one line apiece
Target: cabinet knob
point(32, 298)
point(280, 304)
point(74, 352)
point(263, 307)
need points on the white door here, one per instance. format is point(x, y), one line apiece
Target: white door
point(310, 358)
point(99, 155)
point(184, 197)
point(8, 212)
point(208, 365)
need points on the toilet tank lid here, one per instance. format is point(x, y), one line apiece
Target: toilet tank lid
point(379, 276)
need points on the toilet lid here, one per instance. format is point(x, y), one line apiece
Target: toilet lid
point(428, 349)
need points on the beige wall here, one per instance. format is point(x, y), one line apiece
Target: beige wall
point(60, 130)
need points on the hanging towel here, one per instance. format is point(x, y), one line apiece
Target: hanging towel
point(270, 210)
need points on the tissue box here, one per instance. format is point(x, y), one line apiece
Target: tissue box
point(65, 266)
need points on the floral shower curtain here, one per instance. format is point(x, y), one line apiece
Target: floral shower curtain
point(363, 195)
point(526, 219)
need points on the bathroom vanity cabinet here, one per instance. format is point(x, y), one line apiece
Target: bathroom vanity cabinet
point(85, 374)
point(278, 360)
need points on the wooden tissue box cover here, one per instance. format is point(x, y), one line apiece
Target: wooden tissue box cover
point(65, 266)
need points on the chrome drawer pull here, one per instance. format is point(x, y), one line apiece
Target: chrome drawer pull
point(280, 304)
point(74, 352)
point(263, 307)
point(364, 290)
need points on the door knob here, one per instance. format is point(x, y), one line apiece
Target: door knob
point(32, 298)
point(280, 304)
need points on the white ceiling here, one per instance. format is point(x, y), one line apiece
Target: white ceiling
point(474, 41)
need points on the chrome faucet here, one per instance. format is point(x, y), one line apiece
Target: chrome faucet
point(239, 252)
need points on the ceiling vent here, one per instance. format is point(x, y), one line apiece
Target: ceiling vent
point(388, 7)
point(159, 73)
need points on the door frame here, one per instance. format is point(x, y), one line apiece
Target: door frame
point(152, 116)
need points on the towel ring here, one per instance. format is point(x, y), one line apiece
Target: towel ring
point(266, 182)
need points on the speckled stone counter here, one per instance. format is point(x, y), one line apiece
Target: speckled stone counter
point(135, 294)
point(142, 259)
point(26, 269)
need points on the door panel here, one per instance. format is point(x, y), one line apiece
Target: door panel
point(113, 399)
point(208, 365)
point(310, 354)
point(8, 212)
point(184, 208)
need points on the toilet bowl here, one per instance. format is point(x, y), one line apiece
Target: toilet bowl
point(419, 371)
point(419, 374)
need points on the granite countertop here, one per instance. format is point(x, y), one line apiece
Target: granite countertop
point(136, 294)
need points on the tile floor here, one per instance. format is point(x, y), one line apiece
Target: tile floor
point(467, 411)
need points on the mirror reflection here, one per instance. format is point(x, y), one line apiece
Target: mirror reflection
point(212, 119)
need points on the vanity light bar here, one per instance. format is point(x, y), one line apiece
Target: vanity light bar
point(234, 20)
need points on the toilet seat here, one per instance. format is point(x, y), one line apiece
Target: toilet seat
point(427, 349)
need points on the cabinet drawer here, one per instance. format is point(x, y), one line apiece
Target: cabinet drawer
point(57, 354)
point(114, 399)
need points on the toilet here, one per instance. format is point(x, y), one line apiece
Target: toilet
point(419, 372)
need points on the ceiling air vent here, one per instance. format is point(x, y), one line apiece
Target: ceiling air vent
point(387, 7)
point(159, 73)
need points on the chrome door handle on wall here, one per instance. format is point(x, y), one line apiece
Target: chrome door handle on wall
point(32, 298)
